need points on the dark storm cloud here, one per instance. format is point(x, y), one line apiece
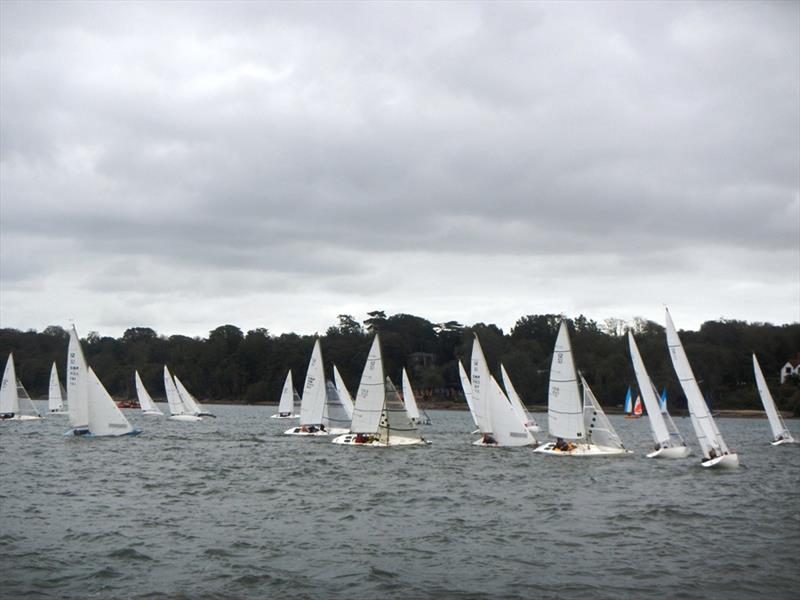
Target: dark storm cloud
point(298, 146)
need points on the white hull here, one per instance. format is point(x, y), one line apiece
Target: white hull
point(276, 416)
point(726, 461)
point(583, 450)
point(675, 452)
point(782, 442)
point(23, 418)
point(58, 412)
point(349, 439)
point(483, 444)
point(298, 431)
point(152, 413)
point(187, 418)
point(338, 431)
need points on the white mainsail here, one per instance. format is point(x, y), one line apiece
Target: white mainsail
point(312, 406)
point(662, 436)
point(344, 395)
point(9, 399)
point(174, 401)
point(779, 429)
point(704, 426)
point(145, 400)
point(481, 387)
point(599, 430)
point(516, 401)
point(371, 394)
point(466, 386)
point(77, 383)
point(55, 394)
point(286, 403)
point(564, 406)
point(105, 417)
point(508, 429)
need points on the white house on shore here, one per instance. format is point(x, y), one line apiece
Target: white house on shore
point(792, 367)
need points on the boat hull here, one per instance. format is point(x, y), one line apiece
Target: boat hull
point(349, 439)
point(726, 461)
point(185, 418)
point(298, 431)
point(152, 413)
point(207, 414)
point(784, 441)
point(674, 452)
point(57, 412)
point(23, 418)
point(583, 450)
point(276, 416)
point(85, 433)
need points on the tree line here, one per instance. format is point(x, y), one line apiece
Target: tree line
point(233, 366)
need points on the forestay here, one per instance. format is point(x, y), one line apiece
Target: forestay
point(564, 407)
point(105, 418)
point(779, 429)
point(77, 383)
point(706, 430)
point(598, 428)
point(371, 393)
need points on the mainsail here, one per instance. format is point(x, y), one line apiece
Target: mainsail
point(145, 400)
point(312, 406)
point(77, 383)
point(9, 399)
point(286, 403)
point(564, 407)
point(371, 393)
point(55, 394)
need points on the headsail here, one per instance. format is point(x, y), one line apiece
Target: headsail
point(189, 401)
point(598, 428)
point(9, 399)
point(335, 415)
point(173, 397)
point(508, 428)
point(516, 401)
point(395, 421)
point(105, 418)
point(145, 400)
point(779, 429)
point(466, 386)
point(408, 397)
point(344, 395)
point(564, 406)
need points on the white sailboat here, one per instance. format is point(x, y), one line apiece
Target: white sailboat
point(498, 421)
point(315, 396)
point(11, 391)
point(191, 403)
point(466, 387)
point(177, 408)
point(780, 433)
point(344, 395)
point(92, 410)
point(715, 450)
point(55, 394)
point(411, 402)
point(668, 441)
point(569, 418)
point(379, 417)
point(289, 404)
point(145, 400)
point(516, 402)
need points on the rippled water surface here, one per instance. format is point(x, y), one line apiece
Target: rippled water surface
point(229, 508)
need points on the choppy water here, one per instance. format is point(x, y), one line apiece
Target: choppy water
point(229, 508)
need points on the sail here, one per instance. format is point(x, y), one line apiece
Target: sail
point(704, 427)
point(628, 400)
point(335, 415)
point(481, 388)
point(176, 406)
point(408, 397)
point(344, 395)
point(9, 400)
point(145, 401)
point(514, 398)
point(779, 429)
point(637, 406)
point(658, 426)
point(466, 386)
point(77, 383)
point(286, 403)
point(189, 401)
point(371, 393)
point(22, 394)
point(564, 407)
point(105, 418)
point(55, 397)
point(663, 400)
point(598, 428)
point(394, 418)
point(314, 396)
point(508, 428)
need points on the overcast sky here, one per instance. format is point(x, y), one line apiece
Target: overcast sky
point(185, 165)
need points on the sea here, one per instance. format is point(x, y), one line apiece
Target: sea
point(230, 508)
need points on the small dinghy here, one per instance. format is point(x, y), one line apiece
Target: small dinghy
point(289, 404)
point(146, 403)
point(780, 433)
point(179, 411)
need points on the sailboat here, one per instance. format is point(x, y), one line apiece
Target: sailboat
point(411, 402)
point(780, 433)
point(191, 402)
point(668, 440)
point(715, 450)
point(315, 397)
point(498, 421)
point(179, 411)
point(516, 402)
point(145, 401)
point(92, 410)
point(466, 386)
point(11, 391)
point(289, 402)
point(379, 417)
point(633, 410)
point(56, 393)
point(568, 418)
point(344, 395)
point(628, 408)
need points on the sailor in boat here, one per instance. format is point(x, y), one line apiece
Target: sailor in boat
point(363, 438)
point(488, 439)
point(6, 416)
point(563, 446)
point(284, 414)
